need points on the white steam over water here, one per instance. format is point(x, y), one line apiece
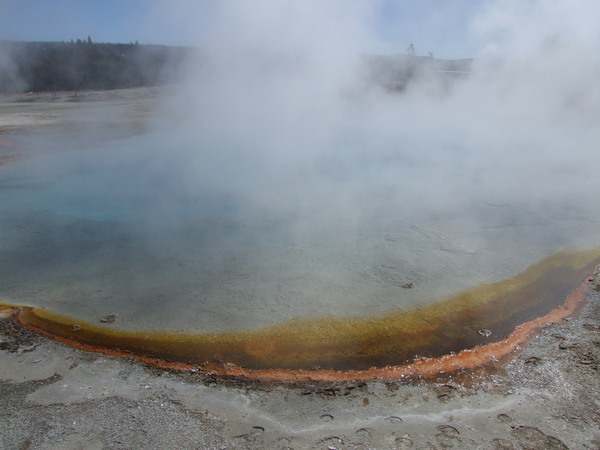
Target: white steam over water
point(282, 182)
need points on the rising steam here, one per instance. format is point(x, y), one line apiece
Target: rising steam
point(323, 191)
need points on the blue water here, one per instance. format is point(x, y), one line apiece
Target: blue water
point(169, 240)
point(99, 185)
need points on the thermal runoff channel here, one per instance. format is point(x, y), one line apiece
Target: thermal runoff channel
point(300, 203)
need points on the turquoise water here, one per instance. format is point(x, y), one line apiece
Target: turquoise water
point(168, 240)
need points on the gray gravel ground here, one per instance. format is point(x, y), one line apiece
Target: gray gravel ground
point(548, 397)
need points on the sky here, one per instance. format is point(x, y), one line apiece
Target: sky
point(441, 27)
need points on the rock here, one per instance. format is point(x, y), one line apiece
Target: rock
point(532, 438)
point(110, 318)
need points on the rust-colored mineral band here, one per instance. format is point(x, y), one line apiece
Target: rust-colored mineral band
point(419, 367)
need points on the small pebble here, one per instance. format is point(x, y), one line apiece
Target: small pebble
point(110, 318)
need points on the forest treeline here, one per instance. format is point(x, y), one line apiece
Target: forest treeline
point(84, 65)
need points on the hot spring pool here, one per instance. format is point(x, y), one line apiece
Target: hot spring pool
point(130, 231)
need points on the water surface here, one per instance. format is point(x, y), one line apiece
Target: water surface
point(132, 229)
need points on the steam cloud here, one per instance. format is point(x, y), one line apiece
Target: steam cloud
point(280, 111)
point(337, 191)
point(485, 174)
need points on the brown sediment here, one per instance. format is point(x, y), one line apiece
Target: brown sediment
point(439, 338)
